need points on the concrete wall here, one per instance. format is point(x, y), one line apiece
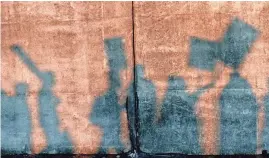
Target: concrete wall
point(185, 55)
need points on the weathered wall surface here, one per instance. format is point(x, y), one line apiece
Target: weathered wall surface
point(67, 38)
point(201, 77)
point(163, 36)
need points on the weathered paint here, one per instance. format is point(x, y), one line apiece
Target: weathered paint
point(181, 61)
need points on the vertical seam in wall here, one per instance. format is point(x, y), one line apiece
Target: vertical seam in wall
point(136, 142)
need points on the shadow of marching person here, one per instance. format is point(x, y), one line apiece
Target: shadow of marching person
point(16, 122)
point(179, 123)
point(238, 104)
point(106, 108)
point(265, 144)
point(57, 141)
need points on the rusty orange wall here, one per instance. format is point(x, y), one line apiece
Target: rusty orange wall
point(68, 37)
point(162, 36)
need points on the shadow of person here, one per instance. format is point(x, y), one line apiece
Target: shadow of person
point(177, 129)
point(238, 104)
point(57, 141)
point(106, 108)
point(146, 94)
point(179, 123)
point(16, 122)
point(265, 144)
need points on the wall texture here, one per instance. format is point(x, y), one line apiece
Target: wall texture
point(90, 77)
